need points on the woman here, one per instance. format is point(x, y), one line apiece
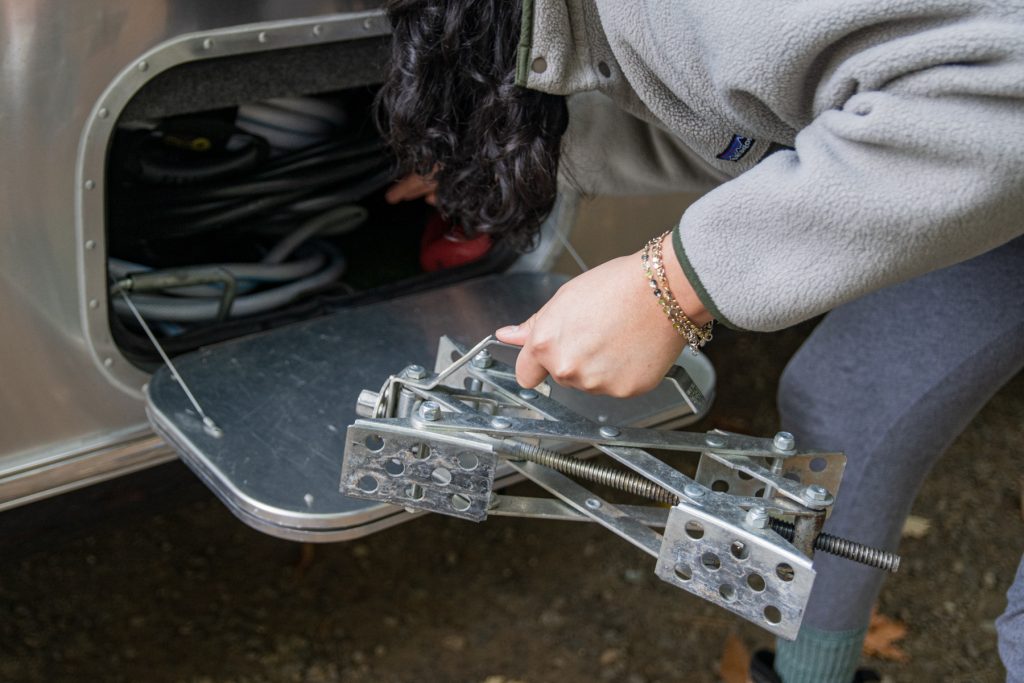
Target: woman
point(866, 159)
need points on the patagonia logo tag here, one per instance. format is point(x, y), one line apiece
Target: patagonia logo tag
point(737, 148)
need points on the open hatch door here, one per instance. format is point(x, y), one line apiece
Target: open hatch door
point(282, 401)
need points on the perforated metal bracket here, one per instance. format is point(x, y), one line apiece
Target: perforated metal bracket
point(386, 461)
point(710, 552)
point(824, 469)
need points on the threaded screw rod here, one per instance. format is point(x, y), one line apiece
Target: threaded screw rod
point(591, 471)
point(631, 482)
point(841, 547)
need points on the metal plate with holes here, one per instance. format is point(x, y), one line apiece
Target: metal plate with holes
point(403, 470)
point(825, 469)
point(284, 398)
point(752, 573)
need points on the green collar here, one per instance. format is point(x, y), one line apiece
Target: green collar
point(525, 44)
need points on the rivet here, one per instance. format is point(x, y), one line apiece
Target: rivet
point(90, 184)
point(527, 394)
point(609, 432)
point(604, 69)
point(90, 244)
point(94, 303)
point(501, 423)
point(694, 490)
point(540, 65)
point(103, 113)
point(262, 37)
point(592, 503)
point(108, 362)
point(318, 30)
point(208, 43)
point(367, 24)
point(714, 441)
point(143, 65)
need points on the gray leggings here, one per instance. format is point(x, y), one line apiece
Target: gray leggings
point(891, 380)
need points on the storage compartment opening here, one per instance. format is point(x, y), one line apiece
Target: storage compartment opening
point(228, 215)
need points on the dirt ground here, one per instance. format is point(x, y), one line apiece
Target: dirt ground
point(149, 578)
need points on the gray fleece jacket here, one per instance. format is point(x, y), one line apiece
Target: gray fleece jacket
point(851, 144)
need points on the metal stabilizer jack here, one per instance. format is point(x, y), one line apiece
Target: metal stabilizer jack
point(741, 534)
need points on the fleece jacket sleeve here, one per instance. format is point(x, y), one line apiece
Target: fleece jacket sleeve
point(914, 171)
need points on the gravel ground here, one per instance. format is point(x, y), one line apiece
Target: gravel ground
point(150, 579)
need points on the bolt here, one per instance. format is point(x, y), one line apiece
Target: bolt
point(592, 503)
point(714, 440)
point(415, 372)
point(694, 490)
point(784, 441)
point(816, 492)
point(482, 360)
point(528, 394)
point(430, 411)
point(366, 403)
point(609, 432)
point(757, 517)
point(501, 423)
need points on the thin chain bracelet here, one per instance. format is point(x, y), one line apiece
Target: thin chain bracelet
point(703, 333)
point(654, 269)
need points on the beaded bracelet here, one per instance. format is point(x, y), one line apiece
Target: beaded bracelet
point(654, 269)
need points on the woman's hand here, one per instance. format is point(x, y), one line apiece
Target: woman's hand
point(412, 187)
point(604, 332)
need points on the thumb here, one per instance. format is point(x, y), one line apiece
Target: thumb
point(516, 334)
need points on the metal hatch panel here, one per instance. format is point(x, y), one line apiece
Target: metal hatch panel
point(284, 398)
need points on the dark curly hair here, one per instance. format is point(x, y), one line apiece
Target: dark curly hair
point(450, 107)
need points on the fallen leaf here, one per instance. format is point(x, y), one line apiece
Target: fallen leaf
point(880, 642)
point(734, 666)
point(916, 527)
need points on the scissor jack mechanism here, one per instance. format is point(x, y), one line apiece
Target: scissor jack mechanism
point(741, 534)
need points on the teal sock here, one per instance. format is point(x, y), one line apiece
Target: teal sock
point(819, 656)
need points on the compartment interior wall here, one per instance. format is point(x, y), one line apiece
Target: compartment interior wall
point(345, 70)
point(230, 81)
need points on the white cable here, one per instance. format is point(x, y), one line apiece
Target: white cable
point(572, 251)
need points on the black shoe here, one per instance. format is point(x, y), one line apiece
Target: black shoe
point(762, 670)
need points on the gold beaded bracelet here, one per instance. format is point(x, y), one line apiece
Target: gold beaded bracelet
point(654, 269)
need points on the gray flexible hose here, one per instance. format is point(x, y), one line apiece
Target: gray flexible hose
point(172, 309)
point(201, 303)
